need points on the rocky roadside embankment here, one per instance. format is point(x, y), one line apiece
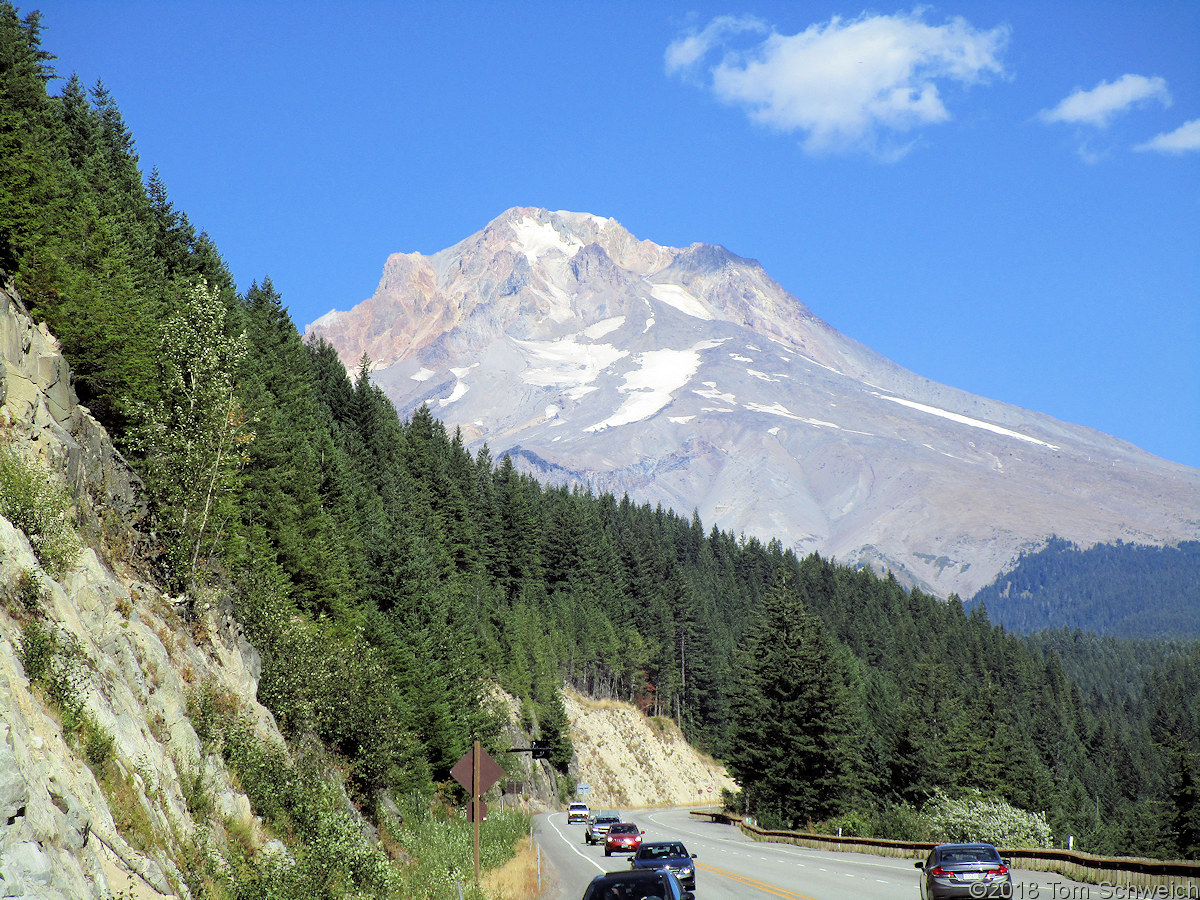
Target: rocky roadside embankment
point(630, 760)
point(67, 832)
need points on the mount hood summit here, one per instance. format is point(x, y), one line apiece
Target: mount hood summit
point(688, 377)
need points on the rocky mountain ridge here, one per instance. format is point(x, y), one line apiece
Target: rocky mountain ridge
point(688, 377)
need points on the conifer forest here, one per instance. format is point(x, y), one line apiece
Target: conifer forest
point(390, 575)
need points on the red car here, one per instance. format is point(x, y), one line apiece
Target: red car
point(623, 837)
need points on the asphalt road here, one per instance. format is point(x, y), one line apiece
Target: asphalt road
point(732, 865)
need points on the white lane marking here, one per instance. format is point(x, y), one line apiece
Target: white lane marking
point(571, 844)
point(785, 849)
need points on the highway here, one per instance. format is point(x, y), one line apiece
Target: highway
point(732, 865)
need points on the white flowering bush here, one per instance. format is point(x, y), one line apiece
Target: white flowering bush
point(973, 817)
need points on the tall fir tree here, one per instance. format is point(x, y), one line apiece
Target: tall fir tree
point(796, 723)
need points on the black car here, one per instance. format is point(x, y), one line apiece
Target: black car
point(964, 870)
point(637, 884)
point(669, 855)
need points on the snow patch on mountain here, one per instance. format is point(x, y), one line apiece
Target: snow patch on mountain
point(652, 385)
point(460, 390)
point(537, 239)
point(675, 296)
point(601, 329)
point(566, 363)
point(763, 376)
point(778, 409)
point(711, 392)
point(965, 420)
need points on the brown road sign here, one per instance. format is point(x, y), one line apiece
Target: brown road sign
point(489, 771)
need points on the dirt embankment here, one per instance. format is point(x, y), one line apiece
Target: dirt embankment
point(630, 760)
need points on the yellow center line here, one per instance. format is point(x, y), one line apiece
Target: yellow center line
point(761, 885)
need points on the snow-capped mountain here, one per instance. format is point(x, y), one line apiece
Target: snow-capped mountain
point(689, 377)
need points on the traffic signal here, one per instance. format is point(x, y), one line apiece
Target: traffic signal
point(540, 749)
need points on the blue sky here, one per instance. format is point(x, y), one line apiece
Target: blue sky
point(1004, 197)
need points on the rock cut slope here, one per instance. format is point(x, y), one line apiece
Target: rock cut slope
point(689, 377)
point(629, 761)
point(68, 832)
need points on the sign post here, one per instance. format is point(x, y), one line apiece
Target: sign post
point(477, 772)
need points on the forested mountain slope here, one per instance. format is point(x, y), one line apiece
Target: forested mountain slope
point(1124, 590)
point(389, 578)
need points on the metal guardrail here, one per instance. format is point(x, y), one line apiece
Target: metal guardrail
point(1174, 879)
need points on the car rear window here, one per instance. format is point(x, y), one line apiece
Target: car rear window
point(969, 854)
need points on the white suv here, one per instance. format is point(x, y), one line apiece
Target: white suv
point(577, 812)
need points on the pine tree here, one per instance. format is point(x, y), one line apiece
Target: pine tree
point(795, 720)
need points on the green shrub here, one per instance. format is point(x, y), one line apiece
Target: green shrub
point(36, 649)
point(42, 508)
point(54, 660)
point(98, 746)
point(197, 791)
point(441, 845)
point(29, 593)
point(849, 824)
point(302, 801)
point(209, 711)
point(899, 822)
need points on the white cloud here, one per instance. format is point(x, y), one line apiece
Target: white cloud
point(1184, 139)
point(1106, 100)
point(685, 52)
point(843, 82)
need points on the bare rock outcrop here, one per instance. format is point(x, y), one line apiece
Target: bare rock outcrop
point(40, 412)
point(630, 760)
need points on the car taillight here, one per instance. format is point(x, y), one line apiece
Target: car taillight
point(938, 872)
point(1003, 870)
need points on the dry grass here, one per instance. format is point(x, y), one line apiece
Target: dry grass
point(592, 703)
point(517, 879)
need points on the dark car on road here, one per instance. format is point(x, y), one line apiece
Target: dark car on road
point(636, 884)
point(669, 855)
point(964, 870)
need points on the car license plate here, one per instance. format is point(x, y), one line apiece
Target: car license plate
point(970, 876)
